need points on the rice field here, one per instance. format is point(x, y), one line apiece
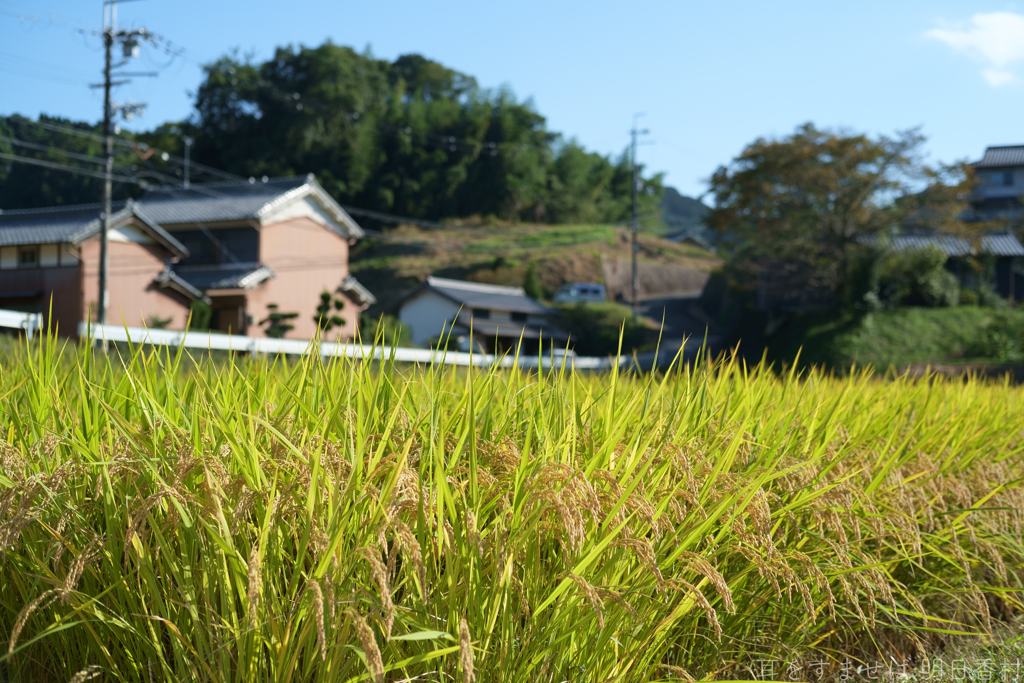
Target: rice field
point(171, 519)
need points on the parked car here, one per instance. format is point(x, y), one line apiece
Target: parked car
point(580, 292)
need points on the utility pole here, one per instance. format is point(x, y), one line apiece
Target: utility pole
point(108, 161)
point(634, 133)
point(188, 153)
point(129, 40)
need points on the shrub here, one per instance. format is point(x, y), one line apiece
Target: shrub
point(277, 323)
point(1002, 338)
point(914, 277)
point(201, 315)
point(595, 328)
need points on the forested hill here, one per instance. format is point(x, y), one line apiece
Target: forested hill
point(681, 213)
point(410, 137)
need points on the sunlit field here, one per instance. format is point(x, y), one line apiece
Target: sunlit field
point(164, 519)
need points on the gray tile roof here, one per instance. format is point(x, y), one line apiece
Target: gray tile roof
point(216, 202)
point(46, 227)
point(501, 328)
point(76, 223)
point(493, 297)
point(997, 157)
point(240, 200)
point(224, 276)
point(996, 244)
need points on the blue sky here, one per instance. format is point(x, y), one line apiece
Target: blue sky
point(709, 77)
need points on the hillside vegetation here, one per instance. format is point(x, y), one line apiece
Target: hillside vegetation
point(896, 338)
point(261, 520)
point(500, 253)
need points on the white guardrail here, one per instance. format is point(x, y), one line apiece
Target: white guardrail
point(29, 322)
point(261, 345)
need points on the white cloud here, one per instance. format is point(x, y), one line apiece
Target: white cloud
point(998, 77)
point(995, 39)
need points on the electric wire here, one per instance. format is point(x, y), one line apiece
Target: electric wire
point(32, 161)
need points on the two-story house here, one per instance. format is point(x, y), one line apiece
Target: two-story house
point(238, 246)
point(1000, 184)
point(496, 316)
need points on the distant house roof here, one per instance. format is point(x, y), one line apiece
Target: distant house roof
point(997, 157)
point(996, 244)
point(236, 200)
point(477, 295)
point(239, 200)
point(224, 276)
point(76, 224)
point(691, 238)
point(465, 324)
point(355, 291)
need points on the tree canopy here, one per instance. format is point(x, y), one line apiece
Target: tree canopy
point(796, 209)
point(410, 137)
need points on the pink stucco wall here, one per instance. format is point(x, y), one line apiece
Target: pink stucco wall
point(134, 299)
point(308, 259)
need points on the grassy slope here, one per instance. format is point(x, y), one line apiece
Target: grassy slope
point(500, 254)
point(897, 338)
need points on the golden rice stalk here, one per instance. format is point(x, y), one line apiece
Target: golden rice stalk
point(88, 554)
point(25, 613)
point(412, 547)
point(466, 653)
point(473, 532)
point(255, 581)
point(703, 567)
point(591, 594)
point(318, 606)
point(679, 671)
point(88, 673)
point(709, 611)
point(380, 575)
point(369, 642)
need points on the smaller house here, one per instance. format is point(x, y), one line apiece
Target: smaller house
point(1003, 247)
point(498, 317)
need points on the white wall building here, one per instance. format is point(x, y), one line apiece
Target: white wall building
point(496, 316)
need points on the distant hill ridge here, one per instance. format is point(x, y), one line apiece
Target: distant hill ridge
point(683, 214)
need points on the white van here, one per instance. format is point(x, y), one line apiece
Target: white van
point(580, 292)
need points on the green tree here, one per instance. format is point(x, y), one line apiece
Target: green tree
point(277, 322)
point(324, 319)
point(796, 210)
point(531, 283)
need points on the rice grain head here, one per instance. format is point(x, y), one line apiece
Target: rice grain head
point(88, 554)
point(86, 674)
point(255, 580)
point(25, 613)
point(466, 652)
point(370, 649)
point(318, 606)
point(380, 575)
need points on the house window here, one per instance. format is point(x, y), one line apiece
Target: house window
point(481, 313)
point(1008, 179)
point(518, 317)
point(28, 257)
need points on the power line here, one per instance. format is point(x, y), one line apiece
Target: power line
point(32, 161)
point(50, 148)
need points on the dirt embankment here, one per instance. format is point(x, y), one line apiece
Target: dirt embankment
point(393, 263)
point(653, 279)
